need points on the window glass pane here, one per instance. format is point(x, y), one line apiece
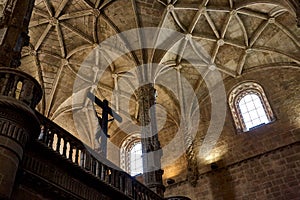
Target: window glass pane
point(246, 117)
point(254, 97)
point(261, 111)
point(253, 114)
point(257, 102)
point(252, 111)
point(136, 161)
point(243, 108)
point(247, 98)
point(264, 119)
point(250, 106)
point(256, 122)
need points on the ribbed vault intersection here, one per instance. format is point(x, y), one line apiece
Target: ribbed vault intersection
point(235, 36)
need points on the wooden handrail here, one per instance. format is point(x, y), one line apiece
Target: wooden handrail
point(75, 151)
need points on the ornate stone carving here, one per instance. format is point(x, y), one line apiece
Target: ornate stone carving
point(192, 163)
point(151, 146)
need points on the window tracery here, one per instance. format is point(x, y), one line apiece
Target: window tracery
point(131, 156)
point(249, 106)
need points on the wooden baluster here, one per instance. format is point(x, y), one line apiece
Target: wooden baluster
point(35, 100)
point(2, 83)
point(113, 177)
point(146, 195)
point(108, 172)
point(5, 90)
point(93, 165)
point(65, 148)
point(138, 192)
point(102, 172)
point(126, 185)
point(50, 139)
point(107, 176)
point(82, 158)
point(129, 186)
point(121, 182)
point(26, 93)
point(87, 162)
point(13, 88)
point(76, 155)
point(134, 194)
point(71, 152)
point(117, 179)
point(98, 172)
point(57, 148)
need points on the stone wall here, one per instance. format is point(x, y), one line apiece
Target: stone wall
point(259, 164)
point(274, 175)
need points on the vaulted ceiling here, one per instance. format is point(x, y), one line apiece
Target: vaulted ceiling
point(232, 36)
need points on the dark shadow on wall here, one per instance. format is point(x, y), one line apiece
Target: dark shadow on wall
point(221, 182)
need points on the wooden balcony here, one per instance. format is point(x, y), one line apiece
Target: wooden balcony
point(20, 86)
point(66, 164)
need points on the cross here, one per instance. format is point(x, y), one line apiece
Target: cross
point(106, 110)
point(102, 135)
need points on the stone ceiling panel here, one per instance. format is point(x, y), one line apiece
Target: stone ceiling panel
point(234, 36)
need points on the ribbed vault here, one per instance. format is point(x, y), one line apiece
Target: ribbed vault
point(236, 36)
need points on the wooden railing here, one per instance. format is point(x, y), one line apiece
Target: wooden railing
point(21, 86)
point(75, 151)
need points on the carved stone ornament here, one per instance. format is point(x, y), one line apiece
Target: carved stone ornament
point(152, 152)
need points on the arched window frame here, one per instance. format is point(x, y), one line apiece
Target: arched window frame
point(126, 148)
point(241, 91)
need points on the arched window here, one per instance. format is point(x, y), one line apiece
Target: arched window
point(131, 156)
point(249, 106)
point(136, 161)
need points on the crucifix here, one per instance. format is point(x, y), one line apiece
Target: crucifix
point(101, 134)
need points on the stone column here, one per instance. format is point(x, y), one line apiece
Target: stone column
point(152, 151)
point(14, 20)
point(192, 162)
point(19, 92)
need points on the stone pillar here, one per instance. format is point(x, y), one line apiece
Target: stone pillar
point(19, 92)
point(14, 20)
point(152, 151)
point(192, 162)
